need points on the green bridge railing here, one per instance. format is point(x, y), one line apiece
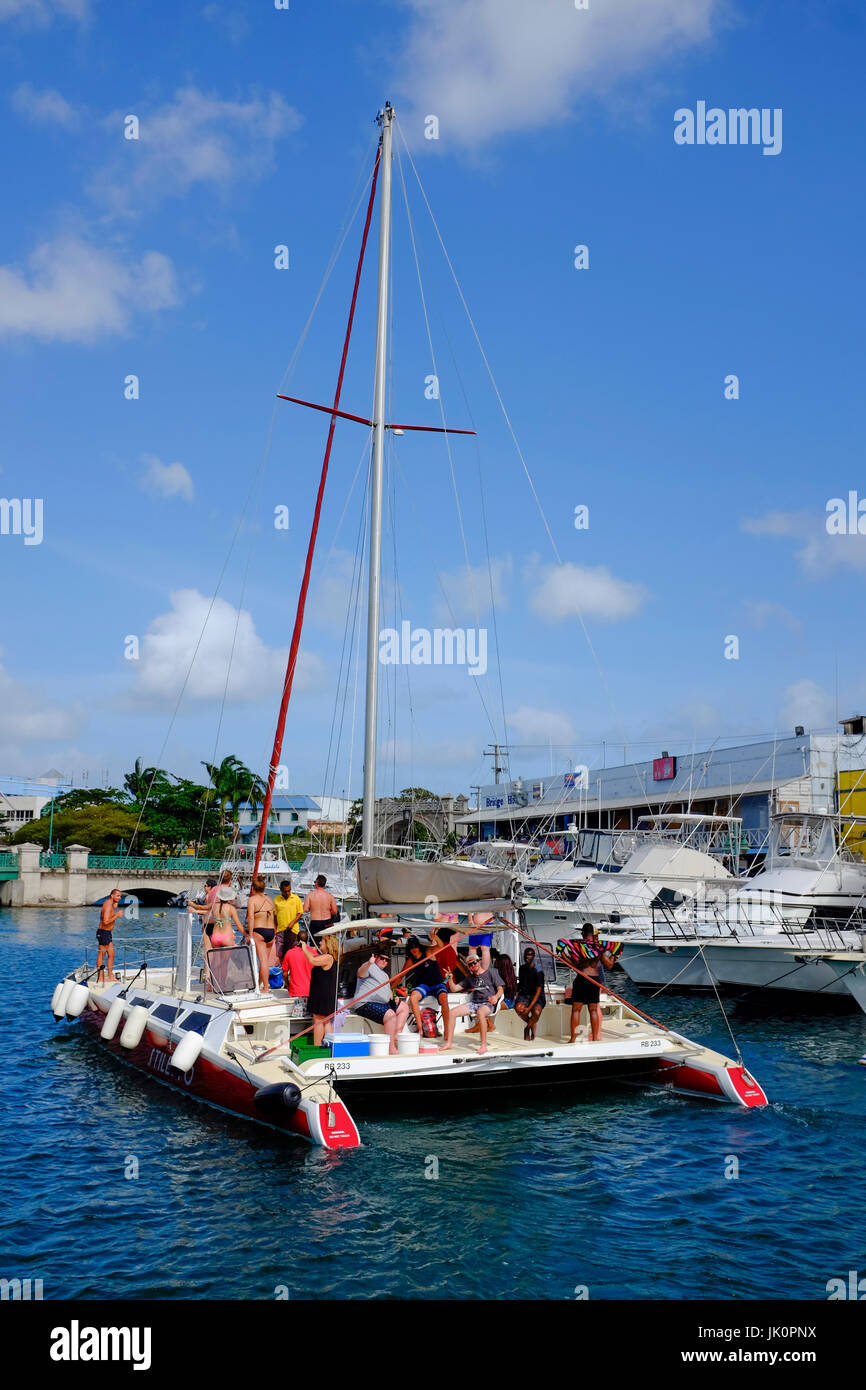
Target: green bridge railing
point(52, 861)
point(153, 863)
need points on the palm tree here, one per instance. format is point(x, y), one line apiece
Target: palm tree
point(233, 784)
point(144, 782)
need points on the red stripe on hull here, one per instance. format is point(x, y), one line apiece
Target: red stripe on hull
point(216, 1085)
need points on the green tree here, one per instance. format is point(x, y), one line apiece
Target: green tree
point(145, 782)
point(98, 827)
point(233, 783)
point(181, 814)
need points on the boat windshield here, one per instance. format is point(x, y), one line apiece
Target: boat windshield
point(801, 837)
point(230, 970)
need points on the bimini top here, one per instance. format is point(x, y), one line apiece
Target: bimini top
point(395, 882)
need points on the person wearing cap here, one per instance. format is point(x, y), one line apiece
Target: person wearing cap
point(487, 990)
point(373, 999)
point(288, 910)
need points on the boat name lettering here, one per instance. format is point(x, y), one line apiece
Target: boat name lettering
point(158, 1061)
point(653, 1042)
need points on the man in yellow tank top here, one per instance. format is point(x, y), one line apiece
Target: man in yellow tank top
point(288, 910)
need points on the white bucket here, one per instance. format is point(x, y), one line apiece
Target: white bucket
point(379, 1044)
point(408, 1044)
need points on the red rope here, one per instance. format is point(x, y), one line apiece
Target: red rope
point(305, 584)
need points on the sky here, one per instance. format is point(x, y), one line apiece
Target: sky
point(695, 383)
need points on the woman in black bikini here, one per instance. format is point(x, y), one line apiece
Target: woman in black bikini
point(260, 929)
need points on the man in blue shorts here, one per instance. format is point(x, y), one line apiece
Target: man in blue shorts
point(375, 1003)
point(426, 981)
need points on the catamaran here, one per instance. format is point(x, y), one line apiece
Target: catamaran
point(210, 1032)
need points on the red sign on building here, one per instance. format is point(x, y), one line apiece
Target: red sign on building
point(664, 769)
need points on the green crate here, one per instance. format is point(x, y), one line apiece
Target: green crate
point(304, 1051)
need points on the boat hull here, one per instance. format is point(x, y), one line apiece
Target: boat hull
point(327, 1124)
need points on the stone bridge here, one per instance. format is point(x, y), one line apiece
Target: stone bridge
point(31, 878)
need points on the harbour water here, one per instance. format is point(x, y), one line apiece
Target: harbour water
point(116, 1187)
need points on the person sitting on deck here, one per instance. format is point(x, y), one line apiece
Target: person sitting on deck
point(588, 991)
point(487, 990)
point(449, 963)
point(377, 1004)
point(426, 980)
point(530, 994)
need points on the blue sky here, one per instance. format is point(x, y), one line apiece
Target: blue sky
point(155, 257)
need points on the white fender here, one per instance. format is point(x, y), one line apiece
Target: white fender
point(59, 1005)
point(186, 1053)
point(112, 1020)
point(134, 1027)
point(55, 999)
point(77, 1000)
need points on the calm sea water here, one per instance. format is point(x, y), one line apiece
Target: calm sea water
point(625, 1194)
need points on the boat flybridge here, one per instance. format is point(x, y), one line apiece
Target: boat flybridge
point(773, 931)
point(668, 857)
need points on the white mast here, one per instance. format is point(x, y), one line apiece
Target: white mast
point(386, 119)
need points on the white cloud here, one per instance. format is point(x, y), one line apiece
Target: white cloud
point(808, 704)
point(229, 639)
point(467, 591)
point(48, 107)
point(166, 479)
point(558, 592)
point(235, 24)
point(762, 613)
point(539, 726)
point(75, 292)
point(454, 755)
point(194, 139)
point(26, 715)
point(43, 11)
point(820, 553)
point(488, 68)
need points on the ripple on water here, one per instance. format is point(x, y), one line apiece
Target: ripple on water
point(637, 1194)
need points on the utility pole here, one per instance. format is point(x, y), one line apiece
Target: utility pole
point(496, 753)
point(477, 791)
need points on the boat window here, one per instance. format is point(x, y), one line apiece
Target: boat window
point(140, 999)
point(195, 1023)
point(168, 1012)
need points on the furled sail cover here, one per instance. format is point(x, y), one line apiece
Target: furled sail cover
point(402, 881)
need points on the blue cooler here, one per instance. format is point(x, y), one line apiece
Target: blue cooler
point(348, 1044)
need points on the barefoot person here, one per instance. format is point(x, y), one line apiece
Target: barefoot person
point(487, 990)
point(588, 991)
point(426, 981)
point(260, 929)
point(109, 914)
point(225, 922)
point(530, 994)
point(323, 985)
point(377, 1004)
